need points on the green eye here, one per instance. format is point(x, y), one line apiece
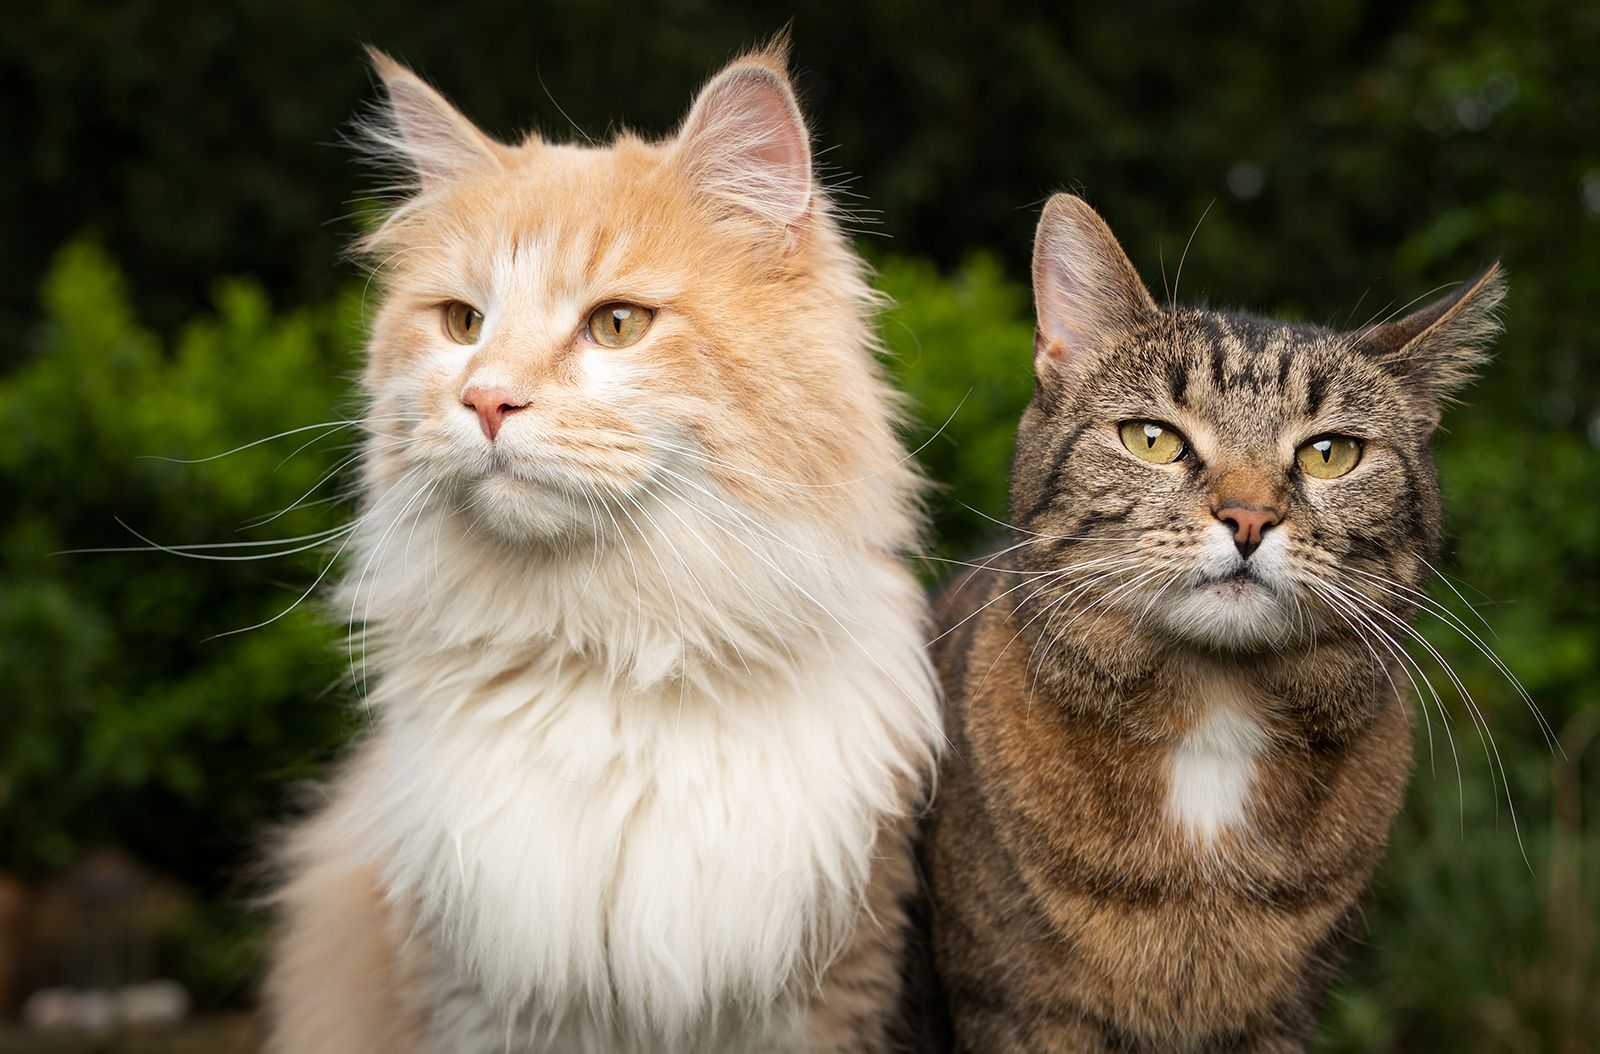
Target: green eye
point(1329, 457)
point(1156, 443)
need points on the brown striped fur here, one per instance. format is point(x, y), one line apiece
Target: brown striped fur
point(1072, 910)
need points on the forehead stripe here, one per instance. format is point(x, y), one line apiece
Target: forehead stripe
point(1316, 391)
point(1177, 381)
point(1218, 356)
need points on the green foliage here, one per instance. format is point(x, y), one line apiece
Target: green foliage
point(126, 718)
point(961, 347)
point(1345, 157)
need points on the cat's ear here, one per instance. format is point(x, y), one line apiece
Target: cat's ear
point(745, 142)
point(1439, 349)
point(1085, 290)
point(420, 128)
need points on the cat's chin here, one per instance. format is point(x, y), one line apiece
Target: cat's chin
point(1235, 613)
point(516, 510)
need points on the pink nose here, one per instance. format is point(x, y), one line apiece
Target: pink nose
point(492, 405)
point(1249, 523)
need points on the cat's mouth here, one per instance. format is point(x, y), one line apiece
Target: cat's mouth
point(1241, 581)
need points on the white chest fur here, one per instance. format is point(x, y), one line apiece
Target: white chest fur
point(620, 871)
point(1212, 765)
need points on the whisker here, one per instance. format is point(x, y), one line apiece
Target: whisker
point(332, 426)
point(1109, 536)
point(1432, 607)
point(1056, 602)
point(1484, 732)
point(194, 551)
point(1043, 576)
point(377, 551)
point(1340, 608)
point(300, 502)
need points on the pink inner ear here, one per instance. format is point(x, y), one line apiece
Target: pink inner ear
point(749, 145)
point(1085, 289)
point(779, 143)
point(1063, 309)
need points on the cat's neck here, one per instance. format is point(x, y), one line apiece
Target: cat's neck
point(1147, 686)
point(679, 596)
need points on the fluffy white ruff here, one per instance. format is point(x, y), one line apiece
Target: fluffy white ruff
point(631, 790)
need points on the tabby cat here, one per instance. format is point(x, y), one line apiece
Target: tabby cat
point(650, 705)
point(1178, 744)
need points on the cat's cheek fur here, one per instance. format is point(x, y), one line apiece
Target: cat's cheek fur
point(607, 374)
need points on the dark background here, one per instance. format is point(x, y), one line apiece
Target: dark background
point(174, 203)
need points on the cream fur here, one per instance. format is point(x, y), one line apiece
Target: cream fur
point(585, 834)
point(645, 672)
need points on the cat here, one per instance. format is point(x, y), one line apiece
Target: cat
point(650, 704)
point(1178, 745)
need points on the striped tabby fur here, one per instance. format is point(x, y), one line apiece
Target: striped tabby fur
point(1175, 764)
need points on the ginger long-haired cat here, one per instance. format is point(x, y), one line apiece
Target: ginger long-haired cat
point(1179, 739)
point(650, 706)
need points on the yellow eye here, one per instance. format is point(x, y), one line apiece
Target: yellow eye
point(1329, 457)
point(463, 323)
point(617, 325)
point(1152, 442)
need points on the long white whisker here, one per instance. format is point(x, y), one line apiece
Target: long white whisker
point(331, 426)
point(1037, 577)
point(1347, 611)
point(1484, 733)
point(1432, 607)
point(377, 550)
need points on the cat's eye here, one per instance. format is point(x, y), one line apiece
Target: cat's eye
point(617, 324)
point(1156, 443)
point(1328, 457)
point(463, 323)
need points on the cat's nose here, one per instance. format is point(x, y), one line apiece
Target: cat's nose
point(492, 405)
point(1249, 523)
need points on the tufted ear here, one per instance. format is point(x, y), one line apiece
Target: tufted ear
point(1440, 348)
point(1085, 290)
point(422, 129)
point(746, 143)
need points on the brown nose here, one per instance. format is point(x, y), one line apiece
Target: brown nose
point(492, 406)
point(1249, 523)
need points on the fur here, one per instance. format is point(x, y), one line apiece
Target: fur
point(649, 696)
point(1177, 757)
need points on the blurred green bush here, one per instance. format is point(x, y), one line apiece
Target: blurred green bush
point(127, 720)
